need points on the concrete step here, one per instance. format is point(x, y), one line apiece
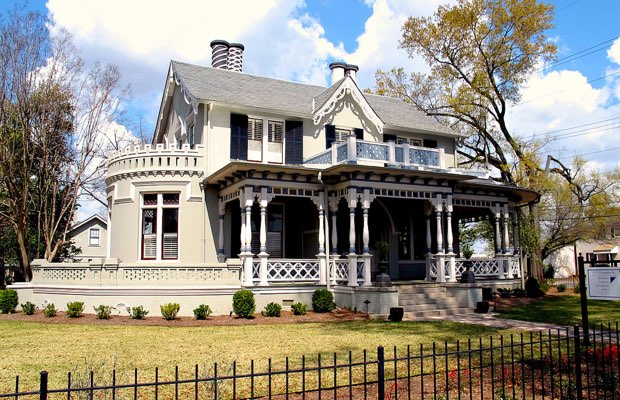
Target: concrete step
point(420, 289)
point(413, 315)
point(421, 296)
point(439, 303)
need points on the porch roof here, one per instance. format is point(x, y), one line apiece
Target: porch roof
point(460, 182)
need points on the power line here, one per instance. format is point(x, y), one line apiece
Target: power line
point(574, 132)
point(580, 54)
point(588, 154)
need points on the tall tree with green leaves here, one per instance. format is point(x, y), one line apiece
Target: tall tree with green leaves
point(480, 53)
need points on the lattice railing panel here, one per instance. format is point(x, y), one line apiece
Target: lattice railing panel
point(289, 270)
point(340, 269)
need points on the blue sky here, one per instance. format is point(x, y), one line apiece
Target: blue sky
point(577, 102)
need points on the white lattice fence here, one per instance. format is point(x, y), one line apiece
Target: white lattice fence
point(340, 269)
point(289, 270)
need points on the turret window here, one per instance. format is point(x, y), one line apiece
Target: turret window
point(160, 226)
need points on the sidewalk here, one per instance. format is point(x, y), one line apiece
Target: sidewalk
point(491, 320)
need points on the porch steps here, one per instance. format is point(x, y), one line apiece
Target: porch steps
point(428, 300)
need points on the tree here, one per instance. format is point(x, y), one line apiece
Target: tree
point(54, 117)
point(480, 54)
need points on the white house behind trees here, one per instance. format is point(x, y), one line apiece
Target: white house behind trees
point(282, 188)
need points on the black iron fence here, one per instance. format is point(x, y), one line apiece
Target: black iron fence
point(546, 365)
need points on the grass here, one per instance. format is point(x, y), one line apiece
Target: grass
point(565, 310)
point(58, 348)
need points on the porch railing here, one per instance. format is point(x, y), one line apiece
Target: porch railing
point(502, 267)
point(288, 270)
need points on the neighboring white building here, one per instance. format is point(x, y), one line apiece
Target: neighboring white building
point(91, 237)
point(282, 187)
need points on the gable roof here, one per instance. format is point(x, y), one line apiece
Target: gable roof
point(240, 89)
point(94, 217)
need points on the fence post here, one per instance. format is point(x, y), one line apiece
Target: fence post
point(578, 375)
point(380, 373)
point(43, 386)
point(584, 301)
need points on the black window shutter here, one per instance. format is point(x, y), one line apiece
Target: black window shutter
point(430, 143)
point(238, 137)
point(294, 142)
point(330, 135)
point(389, 138)
point(359, 133)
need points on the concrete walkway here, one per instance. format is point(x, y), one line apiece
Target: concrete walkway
point(491, 319)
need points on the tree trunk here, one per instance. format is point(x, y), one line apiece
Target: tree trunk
point(24, 259)
point(536, 251)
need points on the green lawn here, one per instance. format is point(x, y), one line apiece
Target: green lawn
point(57, 348)
point(565, 310)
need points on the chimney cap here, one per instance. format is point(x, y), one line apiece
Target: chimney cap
point(351, 67)
point(337, 64)
point(219, 41)
point(237, 45)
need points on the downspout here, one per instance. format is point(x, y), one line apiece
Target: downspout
point(326, 229)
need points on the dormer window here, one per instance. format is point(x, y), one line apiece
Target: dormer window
point(255, 129)
point(276, 131)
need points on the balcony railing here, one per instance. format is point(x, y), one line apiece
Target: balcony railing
point(500, 267)
point(354, 151)
point(160, 157)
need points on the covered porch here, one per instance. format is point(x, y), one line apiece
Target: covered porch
point(293, 225)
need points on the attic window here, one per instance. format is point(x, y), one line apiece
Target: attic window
point(410, 141)
point(342, 134)
point(276, 131)
point(255, 129)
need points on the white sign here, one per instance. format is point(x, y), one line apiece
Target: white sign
point(604, 283)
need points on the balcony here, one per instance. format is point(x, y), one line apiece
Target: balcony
point(157, 159)
point(355, 151)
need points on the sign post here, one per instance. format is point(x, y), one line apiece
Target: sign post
point(584, 302)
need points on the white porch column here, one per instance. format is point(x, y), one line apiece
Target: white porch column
point(441, 267)
point(428, 211)
point(366, 200)
point(322, 239)
point(438, 211)
point(333, 209)
point(506, 235)
point(352, 256)
point(263, 256)
point(221, 257)
point(248, 262)
point(449, 238)
point(498, 239)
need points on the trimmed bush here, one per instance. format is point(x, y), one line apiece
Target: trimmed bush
point(272, 310)
point(504, 293)
point(202, 312)
point(50, 310)
point(244, 304)
point(323, 301)
point(75, 309)
point(29, 308)
point(532, 287)
point(518, 292)
point(103, 312)
point(137, 312)
point(298, 308)
point(169, 311)
point(8, 301)
point(561, 288)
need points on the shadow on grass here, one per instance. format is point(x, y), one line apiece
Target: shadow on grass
point(564, 310)
point(434, 331)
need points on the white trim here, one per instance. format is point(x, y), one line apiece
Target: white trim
point(348, 86)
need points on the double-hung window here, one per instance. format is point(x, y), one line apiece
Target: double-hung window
point(255, 129)
point(276, 131)
point(93, 237)
point(160, 226)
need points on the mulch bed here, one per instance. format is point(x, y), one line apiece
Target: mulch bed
point(287, 317)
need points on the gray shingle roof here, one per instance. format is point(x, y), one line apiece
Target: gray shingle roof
point(291, 98)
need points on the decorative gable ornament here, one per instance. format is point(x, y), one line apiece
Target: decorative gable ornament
point(187, 96)
point(347, 86)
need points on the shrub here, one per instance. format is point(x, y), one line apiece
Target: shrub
point(169, 311)
point(562, 288)
point(202, 312)
point(272, 310)
point(548, 271)
point(75, 309)
point(298, 308)
point(8, 301)
point(323, 301)
point(103, 312)
point(532, 287)
point(518, 292)
point(243, 303)
point(29, 308)
point(504, 293)
point(577, 289)
point(50, 310)
point(137, 312)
